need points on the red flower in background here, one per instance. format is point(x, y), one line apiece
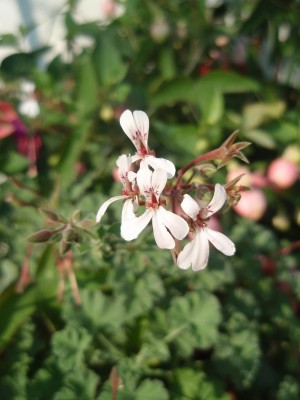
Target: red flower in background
point(28, 144)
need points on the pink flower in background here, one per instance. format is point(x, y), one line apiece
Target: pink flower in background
point(283, 173)
point(28, 144)
point(195, 253)
point(112, 9)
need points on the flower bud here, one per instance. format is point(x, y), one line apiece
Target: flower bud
point(252, 204)
point(282, 173)
point(41, 236)
point(159, 30)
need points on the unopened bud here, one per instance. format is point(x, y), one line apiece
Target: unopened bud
point(41, 236)
point(159, 30)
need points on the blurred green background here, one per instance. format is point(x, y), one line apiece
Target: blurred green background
point(145, 330)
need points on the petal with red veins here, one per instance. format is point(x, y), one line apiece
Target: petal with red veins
point(143, 178)
point(142, 123)
point(128, 125)
point(136, 127)
point(158, 182)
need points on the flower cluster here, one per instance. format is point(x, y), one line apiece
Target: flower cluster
point(148, 194)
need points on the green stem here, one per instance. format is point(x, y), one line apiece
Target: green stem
point(212, 155)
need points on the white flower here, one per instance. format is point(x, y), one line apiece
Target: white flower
point(165, 223)
point(136, 127)
point(195, 253)
point(28, 107)
point(127, 178)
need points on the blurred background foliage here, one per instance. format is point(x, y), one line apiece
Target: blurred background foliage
point(87, 315)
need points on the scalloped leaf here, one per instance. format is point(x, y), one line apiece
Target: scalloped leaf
point(193, 322)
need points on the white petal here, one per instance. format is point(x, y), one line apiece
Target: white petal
point(131, 176)
point(142, 123)
point(124, 162)
point(128, 125)
point(143, 178)
point(135, 158)
point(190, 206)
point(105, 205)
point(184, 260)
point(131, 228)
point(217, 201)
point(136, 127)
point(200, 250)
point(162, 237)
point(128, 210)
point(158, 182)
point(221, 242)
point(162, 163)
point(176, 225)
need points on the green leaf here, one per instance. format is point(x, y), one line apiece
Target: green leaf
point(87, 86)
point(72, 151)
point(226, 82)
point(153, 350)
point(21, 64)
point(289, 389)
point(148, 289)
point(12, 163)
point(78, 384)
point(284, 132)
point(8, 273)
point(147, 390)
point(15, 364)
point(172, 135)
point(256, 114)
point(70, 346)
point(49, 379)
point(16, 308)
point(211, 103)
point(8, 39)
point(179, 89)
point(151, 390)
point(212, 85)
point(261, 138)
point(193, 322)
point(108, 60)
point(96, 311)
point(193, 384)
point(237, 354)
point(167, 64)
